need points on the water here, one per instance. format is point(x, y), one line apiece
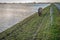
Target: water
point(58, 5)
point(11, 14)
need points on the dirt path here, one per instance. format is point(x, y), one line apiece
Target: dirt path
point(51, 15)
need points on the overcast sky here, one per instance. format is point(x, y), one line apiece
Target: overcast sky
point(23, 1)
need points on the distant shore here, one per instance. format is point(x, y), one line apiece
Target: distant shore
point(29, 3)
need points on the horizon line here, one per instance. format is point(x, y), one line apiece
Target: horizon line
point(29, 2)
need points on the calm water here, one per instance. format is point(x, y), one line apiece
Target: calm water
point(11, 14)
point(58, 5)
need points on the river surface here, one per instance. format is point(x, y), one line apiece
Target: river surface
point(58, 5)
point(11, 14)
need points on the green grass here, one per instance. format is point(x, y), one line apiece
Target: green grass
point(49, 32)
point(26, 29)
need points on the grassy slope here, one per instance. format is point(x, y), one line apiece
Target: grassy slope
point(51, 32)
point(26, 29)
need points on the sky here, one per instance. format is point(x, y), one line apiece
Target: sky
point(26, 1)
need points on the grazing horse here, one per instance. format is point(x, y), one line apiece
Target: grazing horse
point(39, 11)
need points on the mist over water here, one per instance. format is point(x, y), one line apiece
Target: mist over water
point(11, 14)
